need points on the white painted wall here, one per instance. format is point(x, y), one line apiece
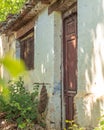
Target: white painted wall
point(90, 98)
point(47, 63)
point(1, 54)
point(44, 47)
point(6, 44)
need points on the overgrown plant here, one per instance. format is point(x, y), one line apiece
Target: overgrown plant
point(22, 105)
point(72, 126)
point(101, 124)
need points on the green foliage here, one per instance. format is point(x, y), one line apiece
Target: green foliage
point(72, 126)
point(101, 124)
point(10, 7)
point(22, 106)
point(14, 66)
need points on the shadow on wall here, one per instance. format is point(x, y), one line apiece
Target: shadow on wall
point(92, 58)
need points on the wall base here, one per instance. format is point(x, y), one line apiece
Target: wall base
point(89, 107)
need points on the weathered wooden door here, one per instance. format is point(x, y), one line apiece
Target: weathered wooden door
point(70, 63)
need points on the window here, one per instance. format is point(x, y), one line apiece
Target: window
point(25, 50)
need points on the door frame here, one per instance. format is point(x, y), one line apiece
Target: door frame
point(65, 14)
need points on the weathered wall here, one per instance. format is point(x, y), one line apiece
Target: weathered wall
point(47, 35)
point(90, 98)
point(55, 100)
point(7, 43)
point(1, 54)
point(48, 61)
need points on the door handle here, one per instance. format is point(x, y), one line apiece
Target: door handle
point(73, 92)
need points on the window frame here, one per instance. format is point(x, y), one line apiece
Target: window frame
point(26, 49)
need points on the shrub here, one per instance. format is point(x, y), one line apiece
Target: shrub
point(22, 106)
point(72, 126)
point(101, 124)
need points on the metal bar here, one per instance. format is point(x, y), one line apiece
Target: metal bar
point(43, 83)
point(74, 92)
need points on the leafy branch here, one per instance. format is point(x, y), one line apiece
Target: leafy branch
point(10, 7)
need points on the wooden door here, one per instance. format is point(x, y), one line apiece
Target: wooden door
point(70, 63)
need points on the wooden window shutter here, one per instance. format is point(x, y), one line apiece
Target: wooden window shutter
point(22, 48)
point(27, 52)
point(30, 53)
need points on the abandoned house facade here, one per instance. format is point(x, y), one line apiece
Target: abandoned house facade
point(61, 43)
